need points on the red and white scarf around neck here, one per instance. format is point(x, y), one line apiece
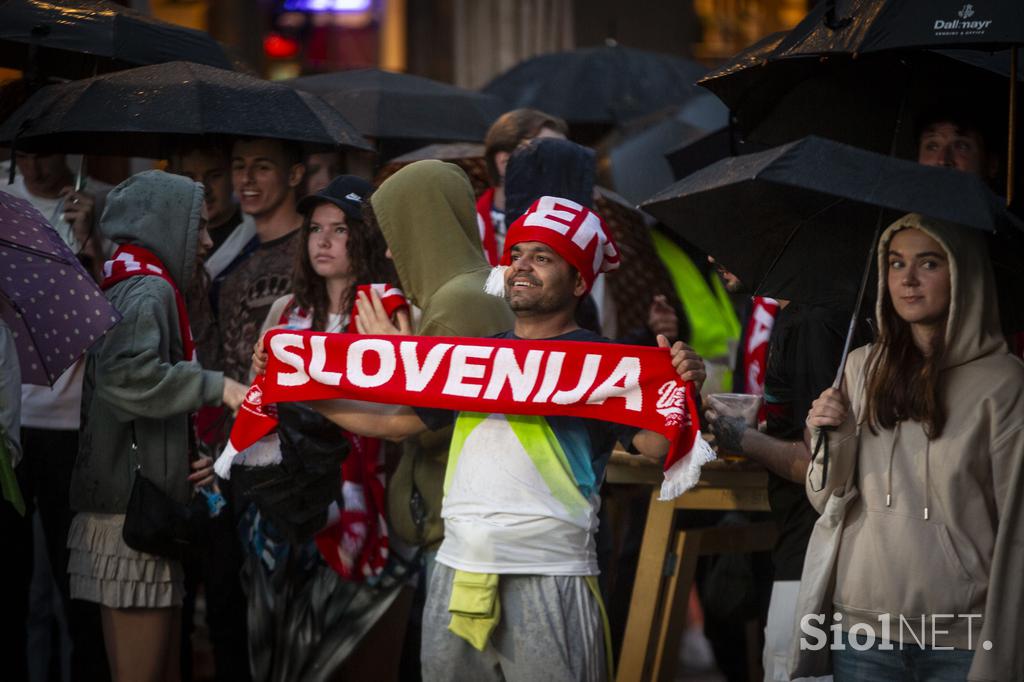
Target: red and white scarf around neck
point(131, 260)
point(631, 385)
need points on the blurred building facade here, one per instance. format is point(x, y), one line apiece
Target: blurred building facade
point(468, 42)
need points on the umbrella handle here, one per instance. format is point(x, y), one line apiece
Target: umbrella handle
point(80, 176)
point(821, 445)
point(1011, 138)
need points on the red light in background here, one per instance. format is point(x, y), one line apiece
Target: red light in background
point(278, 47)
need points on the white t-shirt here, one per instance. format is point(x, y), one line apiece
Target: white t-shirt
point(521, 493)
point(505, 512)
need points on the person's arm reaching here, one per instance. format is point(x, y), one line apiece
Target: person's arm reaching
point(788, 459)
point(374, 420)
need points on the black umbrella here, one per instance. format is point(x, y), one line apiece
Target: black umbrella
point(636, 162)
point(862, 26)
point(144, 111)
point(853, 99)
point(79, 38)
point(859, 72)
point(707, 148)
point(599, 85)
point(383, 104)
point(796, 222)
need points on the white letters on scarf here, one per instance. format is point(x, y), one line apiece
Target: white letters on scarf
point(625, 384)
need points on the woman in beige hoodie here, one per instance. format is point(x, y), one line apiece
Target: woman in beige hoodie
point(929, 427)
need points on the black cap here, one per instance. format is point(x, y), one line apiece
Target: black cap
point(345, 191)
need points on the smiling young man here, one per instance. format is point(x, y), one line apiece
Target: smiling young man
point(513, 595)
point(209, 162)
point(265, 174)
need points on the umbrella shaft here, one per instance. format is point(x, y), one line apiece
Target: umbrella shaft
point(856, 306)
point(1011, 139)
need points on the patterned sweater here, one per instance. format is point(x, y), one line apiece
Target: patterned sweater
point(247, 291)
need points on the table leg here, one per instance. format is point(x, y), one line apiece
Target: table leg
point(675, 604)
point(644, 604)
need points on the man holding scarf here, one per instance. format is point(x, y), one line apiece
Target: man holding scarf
point(514, 594)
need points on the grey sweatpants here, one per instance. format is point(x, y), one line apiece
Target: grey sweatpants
point(550, 629)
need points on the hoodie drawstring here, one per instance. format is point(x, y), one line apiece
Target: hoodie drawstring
point(927, 470)
point(927, 493)
point(892, 454)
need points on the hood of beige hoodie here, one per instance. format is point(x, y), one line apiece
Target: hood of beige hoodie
point(972, 329)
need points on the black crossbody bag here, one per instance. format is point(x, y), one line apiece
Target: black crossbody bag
point(154, 523)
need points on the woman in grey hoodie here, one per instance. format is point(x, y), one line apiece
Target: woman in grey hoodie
point(141, 382)
point(929, 426)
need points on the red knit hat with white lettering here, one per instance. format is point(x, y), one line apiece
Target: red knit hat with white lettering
point(576, 233)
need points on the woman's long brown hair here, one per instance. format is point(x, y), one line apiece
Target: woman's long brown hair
point(366, 248)
point(902, 382)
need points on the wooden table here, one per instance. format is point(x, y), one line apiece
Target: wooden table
point(668, 558)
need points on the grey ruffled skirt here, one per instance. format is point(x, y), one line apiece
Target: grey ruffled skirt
point(103, 569)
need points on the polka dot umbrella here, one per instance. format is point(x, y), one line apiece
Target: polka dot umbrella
point(52, 305)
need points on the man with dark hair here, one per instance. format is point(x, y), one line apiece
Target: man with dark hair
point(209, 163)
point(251, 269)
point(954, 138)
point(511, 130)
point(265, 174)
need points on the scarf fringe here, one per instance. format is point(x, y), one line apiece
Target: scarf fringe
point(685, 473)
point(495, 285)
point(222, 467)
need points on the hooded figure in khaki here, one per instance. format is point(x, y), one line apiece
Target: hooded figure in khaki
point(428, 216)
point(938, 529)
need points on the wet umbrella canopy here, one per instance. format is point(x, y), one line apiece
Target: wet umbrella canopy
point(638, 164)
point(383, 104)
point(144, 111)
point(795, 222)
point(860, 100)
point(49, 301)
point(865, 71)
point(861, 26)
point(77, 38)
point(599, 85)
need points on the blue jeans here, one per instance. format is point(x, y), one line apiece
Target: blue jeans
point(911, 664)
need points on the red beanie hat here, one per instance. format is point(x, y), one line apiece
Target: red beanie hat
point(576, 233)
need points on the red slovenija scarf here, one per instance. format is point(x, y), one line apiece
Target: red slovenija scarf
point(131, 260)
point(632, 385)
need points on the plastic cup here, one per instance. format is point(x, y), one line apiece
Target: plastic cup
point(741, 405)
